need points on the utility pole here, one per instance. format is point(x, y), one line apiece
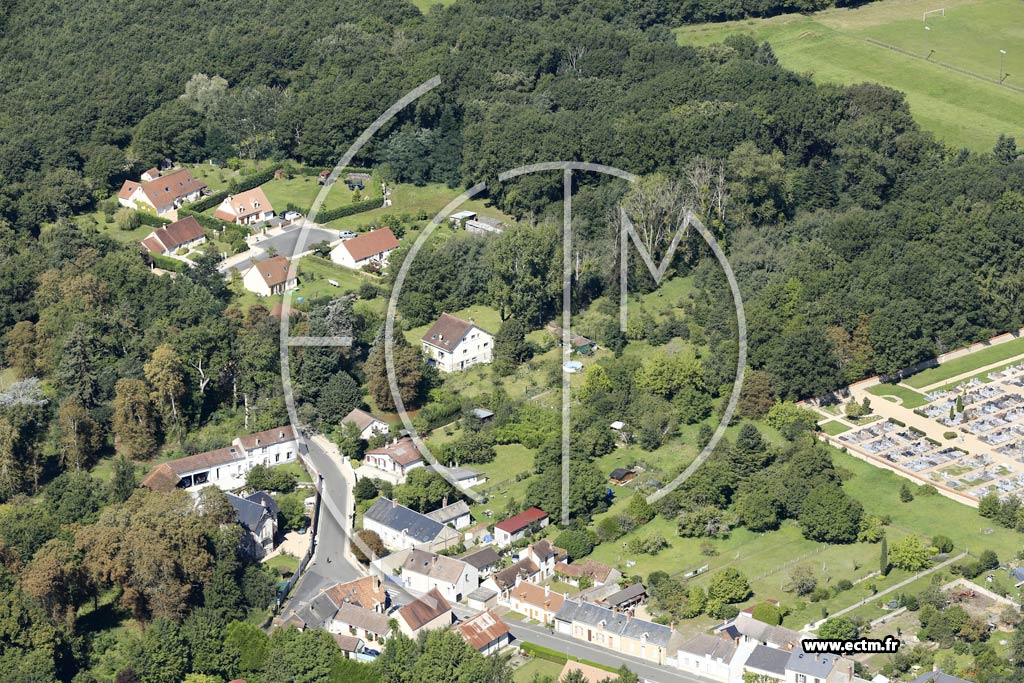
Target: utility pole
point(1002, 53)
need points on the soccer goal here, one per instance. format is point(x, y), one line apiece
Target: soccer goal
point(941, 12)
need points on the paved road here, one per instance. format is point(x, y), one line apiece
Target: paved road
point(562, 643)
point(332, 540)
point(284, 243)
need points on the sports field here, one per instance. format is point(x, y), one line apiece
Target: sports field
point(962, 110)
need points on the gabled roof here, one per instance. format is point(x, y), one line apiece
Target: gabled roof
point(538, 596)
point(765, 633)
point(598, 571)
point(524, 568)
point(363, 618)
point(620, 472)
point(447, 332)
point(545, 549)
point(764, 658)
point(422, 611)
point(485, 557)
point(268, 437)
point(482, 630)
point(244, 204)
point(161, 478)
point(361, 419)
point(127, 189)
point(403, 451)
point(274, 270)
point(811, 664)
point(713, 647)
point(370, 244)
point(437, 567)
point(517, 523)
point(420, 528)
point(166, 476)
point(450, 513)
point(266, 500)
point(164, 190)
point(347, 643)
point(615, 622)
point(175, 234)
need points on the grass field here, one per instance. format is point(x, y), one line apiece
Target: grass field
point(960, 109)
point(908, 398)
point(425, 5)
point(964, 364)
point(536, 667)
point(834, 428)
point(412, 199)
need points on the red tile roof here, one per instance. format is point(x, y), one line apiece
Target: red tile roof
point(268, 437)
point(175, 234)
point(370, 244)
point(165, 189)
point(274, 270)
point(244, 204)
point(403, 452)
point(421, 612)
point(127, 189)
point(519, 522)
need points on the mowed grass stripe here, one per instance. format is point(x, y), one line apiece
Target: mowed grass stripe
point(963, 364)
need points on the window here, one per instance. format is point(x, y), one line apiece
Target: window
point(800, 678)
point(277, 457)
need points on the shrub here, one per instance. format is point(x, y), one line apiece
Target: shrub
point(768, 613)
point(949, 436)
point(844, 585)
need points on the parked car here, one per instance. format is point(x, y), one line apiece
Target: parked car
point(292, 215)
point(371, 652)
point(346, 234)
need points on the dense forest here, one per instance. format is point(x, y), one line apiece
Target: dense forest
point(861, 245)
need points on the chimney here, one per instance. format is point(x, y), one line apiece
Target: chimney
point(444, 502)
point(547, 591)
point(394, 504)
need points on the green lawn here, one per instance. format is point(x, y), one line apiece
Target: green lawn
point(536, 667)
point(908, 398)
point(964, 364)
point(301, 191)
point(412, 199)
point(425, 5)
point(283, 563)
point(833, 428)
point(961, 110)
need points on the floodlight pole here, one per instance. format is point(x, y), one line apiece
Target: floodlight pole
point(927, 30)
point(1002, 53)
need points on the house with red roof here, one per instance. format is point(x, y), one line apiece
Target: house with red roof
point(369, 249)
point(518, 526)
point(245, 208)
point(396, 459)
point(485, 632)
point(162, 194)
point(183, 234)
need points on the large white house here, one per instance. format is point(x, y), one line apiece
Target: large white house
point(245, 208)
point(395, 460)
point(162, 194)
point(424, 571)
point(369, 426)
point(400, 528)
point(226, 467)
point(452, 344)
point(269, 277)
point(369, 249)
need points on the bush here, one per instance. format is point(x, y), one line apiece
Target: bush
point(577, 543)
point(350, 210)
point(949, 436)
point(844, 585)
point(264, 478)
point(768, 613)
point(168, 263)
point(368, 290)
point(943, 544)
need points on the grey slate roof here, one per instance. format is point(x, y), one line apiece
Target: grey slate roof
point(249, 512)
point(398, 517)
point(626, 594)
point(714, 647)
point(449, 513)
point(937, 677)
point(811, 664)
point(485, 557)
point(482, 594)
point(614, 622)
point(764, 658)
point(264, 498)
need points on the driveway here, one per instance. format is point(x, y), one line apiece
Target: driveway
point(284, 243)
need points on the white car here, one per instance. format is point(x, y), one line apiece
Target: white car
point(291, 215)
point(346, 234)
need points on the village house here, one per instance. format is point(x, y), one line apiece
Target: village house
point(257, 514)
point(708, 656)
point(426, 613)
point(486, 633)
point(356, 608)
point(523, 570)
point(183, 234)
point(745, 628)
point(162, 194)
point(245, 208)
point(485, 560)
point(226, 467)
point(369, 249)
point(270, 277)
point(452, 344)
point(545, 555)
point(400, 528)
point(151, 174)
point(396, 459)
point(351, 646)
point(766, 661)
point(360, 622)
point(483, 225)
point(627, 599)
point(424, 571)
point(599, 573)
point(368, 425)
point(517, 526)
point(455, 515)
point(617, 632)
point(539, 603)
point(465, 477)
point(621, 475)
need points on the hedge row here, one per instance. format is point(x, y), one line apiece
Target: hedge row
point(151, 219)
point(208, 222)
point(350, 210)
point(250, 181)
point(207, 202)
point(167, 263)
point(557, 657)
